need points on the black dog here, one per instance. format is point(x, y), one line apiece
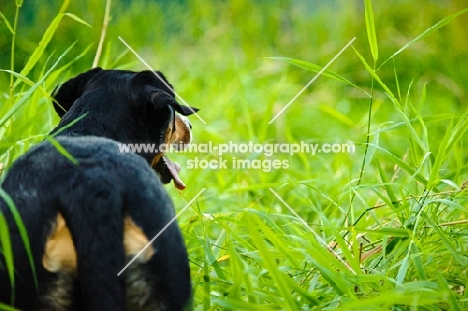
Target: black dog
point(88, 208)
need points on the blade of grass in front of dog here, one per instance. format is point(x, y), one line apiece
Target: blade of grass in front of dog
point(22, 231)
point(427, 32)
point(28, 94)
point(370, 27)
point(60, 130)
point(46, 38)
point(7, 252)
point(62, 150)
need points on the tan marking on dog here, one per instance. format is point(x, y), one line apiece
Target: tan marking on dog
point(60, 253)
point(135, 240)
point(181, 136)
point(183, 133)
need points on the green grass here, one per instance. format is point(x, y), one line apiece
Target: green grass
point(384, 228)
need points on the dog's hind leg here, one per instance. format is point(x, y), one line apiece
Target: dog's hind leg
point(160, 279)
point(93, 211)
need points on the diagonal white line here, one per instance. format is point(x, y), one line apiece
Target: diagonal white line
point(161, 231)
point(311, 81)
point(162, 80)
point(317, 236)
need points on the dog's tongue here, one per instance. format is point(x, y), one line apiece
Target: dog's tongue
point(174, 169)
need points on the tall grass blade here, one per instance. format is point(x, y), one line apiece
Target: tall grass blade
point(417, 260)
point(439, 159)
point(206, 284)
point(58, 72)
point(459, 131)
point(397, 83)
point(394, 232)
point(386, 184)
point(400, 278)
point(316, 68)
point(410, 170)
point(375, 76)
point(427, 32)
point(413, 133)
point(370, 148)
point(22, 78)
point(22, 230)
point(28, 94)
point(370, 27)
point(422, 101)
point(48, 34)
point(7, 23)
point(64, 6)
point(426, 120)
point(7, 252)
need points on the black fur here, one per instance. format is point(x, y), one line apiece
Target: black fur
point(94, 196)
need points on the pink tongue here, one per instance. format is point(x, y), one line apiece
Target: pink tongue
point(174, 169)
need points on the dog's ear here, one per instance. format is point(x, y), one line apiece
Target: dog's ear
point(161, 99)
point(160, 92)
point(65, 94)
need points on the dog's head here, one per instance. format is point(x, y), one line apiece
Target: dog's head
point(129, 107)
